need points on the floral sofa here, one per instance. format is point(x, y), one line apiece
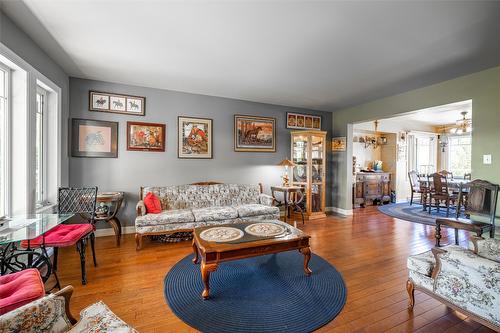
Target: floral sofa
point(51, 314)
point(185, 207)
point(466, 280)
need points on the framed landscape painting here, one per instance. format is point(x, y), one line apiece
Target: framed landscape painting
point(254, 134)
point(94, 138)
point(195, 138)
point(116, 103)
point(145, 136)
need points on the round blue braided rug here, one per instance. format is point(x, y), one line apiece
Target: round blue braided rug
point(262, 294)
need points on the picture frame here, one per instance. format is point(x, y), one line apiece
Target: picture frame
point(194, 138)
point(339, 144)
point(117, 103)
point(254, 134)
point(302, 121)
point(94, 138)
point(146, 136)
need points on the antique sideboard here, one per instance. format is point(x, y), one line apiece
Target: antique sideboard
point(371, 188)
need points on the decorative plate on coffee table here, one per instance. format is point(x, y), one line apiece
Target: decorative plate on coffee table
point(221, 234)
point(265, 229)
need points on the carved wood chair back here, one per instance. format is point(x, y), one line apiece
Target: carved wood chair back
point(439, 184)
point(481, 200)
point(447, 174)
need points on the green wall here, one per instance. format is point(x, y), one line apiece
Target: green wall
point(482, 87)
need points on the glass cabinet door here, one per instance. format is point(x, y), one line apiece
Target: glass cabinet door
point(300, 157)
point(317, 173)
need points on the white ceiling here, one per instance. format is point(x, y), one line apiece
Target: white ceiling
point(315, 54)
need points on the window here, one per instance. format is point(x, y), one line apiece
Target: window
point(4, 130)
point(459, 155)
point(40, 144)
point(422, 153)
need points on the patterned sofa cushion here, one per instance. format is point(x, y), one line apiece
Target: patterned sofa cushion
point(255, 209)
point(422, 263)
point(165, 217)
point(99, 318)
point(214, 213)
point(203, 196)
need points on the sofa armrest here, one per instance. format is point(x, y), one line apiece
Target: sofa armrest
point(47, 314)
point(266, 199)
point(140, 208)
point(487, 248)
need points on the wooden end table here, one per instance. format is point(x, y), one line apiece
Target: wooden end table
point(214, 253)
point(112, 201)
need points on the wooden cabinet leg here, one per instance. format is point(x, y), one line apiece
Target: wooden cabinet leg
point(410, 288)
point(195, 250)
point(206, 269)
point(307, 256)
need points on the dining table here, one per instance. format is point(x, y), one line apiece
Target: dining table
point(454, 184)
point(25, 227)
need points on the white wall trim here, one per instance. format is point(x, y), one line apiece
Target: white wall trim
point(130, 229)
point(341, 211)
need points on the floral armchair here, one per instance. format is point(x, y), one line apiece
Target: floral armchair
point(465, 280)
point(51, 314)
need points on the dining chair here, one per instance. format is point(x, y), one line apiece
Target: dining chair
point(80, 201)
point(447, 174)
point(416, 186)
point(468, 176)
point(441, 193)
point(480, 210)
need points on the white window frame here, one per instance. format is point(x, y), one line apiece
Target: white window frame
point(44, 202)
point(24, 80)
point(7, 142)
point(448, 152)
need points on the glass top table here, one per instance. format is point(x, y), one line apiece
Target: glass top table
point(28, 226)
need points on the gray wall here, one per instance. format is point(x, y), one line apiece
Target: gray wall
point(134, 169)
point(21, 44)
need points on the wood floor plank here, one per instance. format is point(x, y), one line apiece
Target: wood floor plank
point(369, 249)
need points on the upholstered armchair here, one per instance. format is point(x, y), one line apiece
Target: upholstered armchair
point(51, 314)
point(465, 280)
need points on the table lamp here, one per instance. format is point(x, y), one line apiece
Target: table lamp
point(286, 163)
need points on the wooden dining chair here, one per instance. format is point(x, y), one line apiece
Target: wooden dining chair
point(468, 176)
point(447, 174)
point(480, 210)
point(415, 186)
point(441, 193)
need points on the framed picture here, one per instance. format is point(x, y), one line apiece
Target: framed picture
point(195, 137)
point(339, 143)
point(302, 121)
point(254, 134)
point(94, 138)
point(116, 103)
point(145, 136)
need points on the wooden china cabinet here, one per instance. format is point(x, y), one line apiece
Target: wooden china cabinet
point(309, 157)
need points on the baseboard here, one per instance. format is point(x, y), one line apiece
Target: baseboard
point(341, 211)
point(110, 232)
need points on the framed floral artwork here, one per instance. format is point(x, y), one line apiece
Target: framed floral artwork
point(254, 134)
point(195, 137)
point(94, 138)
point(145, 136)
point(117, 103)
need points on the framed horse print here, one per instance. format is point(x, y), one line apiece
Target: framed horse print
point(254, 134)
point(195, 138)
point(117, 103)
point(94, 138)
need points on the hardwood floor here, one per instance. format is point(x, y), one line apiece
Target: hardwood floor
point(369, 249)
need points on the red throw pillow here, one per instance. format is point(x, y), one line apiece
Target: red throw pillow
point(152, 203)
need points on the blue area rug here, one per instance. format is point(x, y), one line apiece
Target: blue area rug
point(262, 294)
point(414, 213)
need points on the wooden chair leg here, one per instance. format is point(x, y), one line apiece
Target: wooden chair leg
point(92, 246)
point(438, 234)
point(56, 254)
point(81, 246)
point(447, 208)
point(411, 198)
point(410, 288)
point(138, 241)
point(456, 236)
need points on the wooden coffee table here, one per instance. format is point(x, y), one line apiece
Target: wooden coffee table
point(236, 243)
